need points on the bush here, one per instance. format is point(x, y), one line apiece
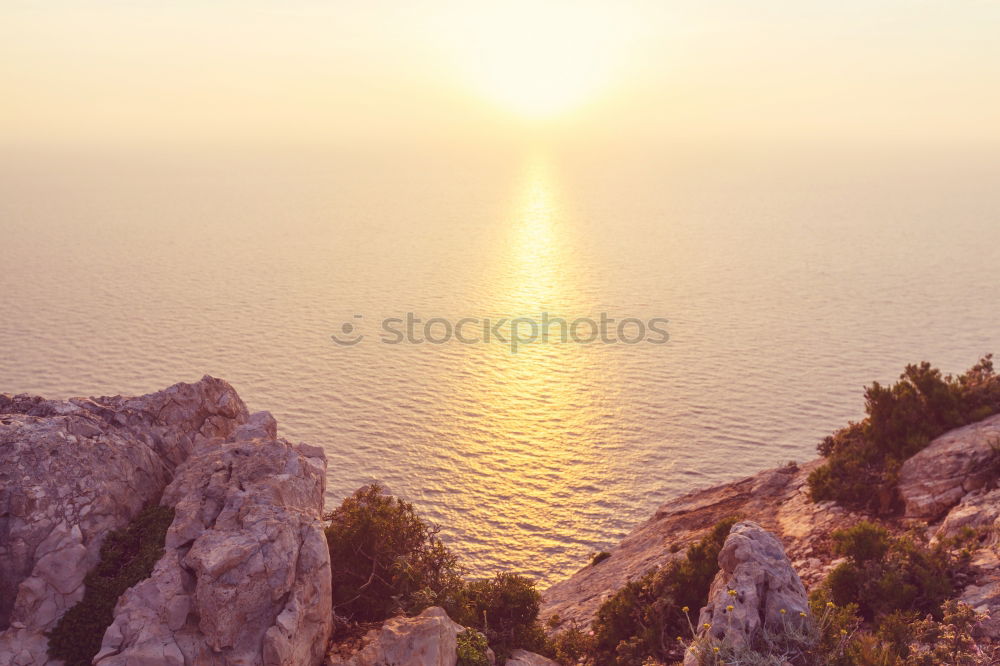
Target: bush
point(572, 645)
point(904, 640)
point(864, 458)
point(505, 609)
point(950, 640)
point(597, 558)
point(472, 649)
point(887, 575)
point(644, 618)
point(862, 543)
point(128, 556)
point(385, 559)
point(837, 625)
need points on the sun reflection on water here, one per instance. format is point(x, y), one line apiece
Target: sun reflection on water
point(543, 424)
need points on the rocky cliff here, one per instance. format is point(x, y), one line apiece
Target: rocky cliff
point(246, 574)
point(950, 484)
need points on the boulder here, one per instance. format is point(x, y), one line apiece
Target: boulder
point(951, 466)
point(245, 578)
point(71, 471)
point(755, 588)
point(429, 639)
point(979, 510)
point(525, 658)
point(983, 593)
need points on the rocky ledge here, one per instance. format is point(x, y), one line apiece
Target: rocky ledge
point(950, 484)
point(246, 574)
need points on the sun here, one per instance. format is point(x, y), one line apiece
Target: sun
point(538, 60)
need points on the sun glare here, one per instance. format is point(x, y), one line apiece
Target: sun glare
point(539, 61)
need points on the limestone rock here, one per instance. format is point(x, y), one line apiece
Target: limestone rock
point(755, 588)
point(72, 470)
point(983, 594)
point(525, 658)
point(978, 510)
point(429, 639)
point(951, 466)
point(246, 574)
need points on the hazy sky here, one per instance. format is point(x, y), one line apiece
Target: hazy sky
point(324, 72)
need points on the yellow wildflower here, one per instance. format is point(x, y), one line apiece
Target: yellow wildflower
point(729, 608)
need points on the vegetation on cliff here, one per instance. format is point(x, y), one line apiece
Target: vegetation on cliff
point(643, 619)
point(128, 556)
point(387, 560)
point(863, 459)
point(885, 575)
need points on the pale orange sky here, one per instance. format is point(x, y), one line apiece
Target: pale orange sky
point(306, 71)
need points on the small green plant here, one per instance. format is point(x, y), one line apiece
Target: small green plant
point(863, 459)
point(472, 649)
point(949, 641)
point(385, 559)
point(128, 556)
point(597, 558)
point(645, 618)
point(573, 645)
point(505, 609)
point(836, 625)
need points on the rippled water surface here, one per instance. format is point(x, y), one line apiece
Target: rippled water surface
point(787, 287)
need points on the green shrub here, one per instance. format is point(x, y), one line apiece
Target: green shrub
point(837, 626)
point(949, 641)
point(572, 645)
point(903, 639)
point(886, 575)
point(863, 542)
point(863, 459)
point(597, 558)
point(505, 609)
point(472, 649)
point(385, 559)
point(645, 617)
point(128, 556)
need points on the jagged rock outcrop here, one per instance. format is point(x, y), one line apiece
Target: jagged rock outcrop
point(777, 499)
point(756, 588)
point(429, 639)
point(246, 574)
point(71, 471)
point(949, 468)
